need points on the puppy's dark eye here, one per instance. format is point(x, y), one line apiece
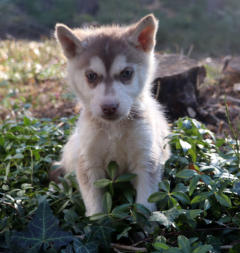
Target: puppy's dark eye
point(91, 76)
point(126, 74)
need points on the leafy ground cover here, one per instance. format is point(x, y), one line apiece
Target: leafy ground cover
point(198, 199)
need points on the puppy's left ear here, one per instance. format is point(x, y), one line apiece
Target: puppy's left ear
point(68, 40)
point(142, 34)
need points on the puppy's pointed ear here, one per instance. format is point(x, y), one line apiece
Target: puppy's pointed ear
point(142, 34)
point(69, 42)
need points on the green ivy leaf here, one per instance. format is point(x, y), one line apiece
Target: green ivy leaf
point(157, 196)
point(181, 196)
point(160, 245)
point(129, 195)
point(193, 213)
point(102, 233)
point(186, 123)
point(206, 179)
point(185, 145)
point(180, 187)
point(43, 230)
point(68, 249)
point(142, 209)
point(27, 121)
point(193, 184)
point(107, 202)
point(207, 204)
point(172, 201)
point(121, 211)
point(173, 250)
point(201, 197)
point(164, 185)
point(112, 169)
point(223, 199)
point(125, 177)
point(16, 156)
point(184, 244)
point(101, 183)
point(166, 218)
point(186, 174)
point(236, 188)
point(90, 247)
point(203, 249)
point(162, 219)
point(124, 233)
point(98, 216)
point(193, 155)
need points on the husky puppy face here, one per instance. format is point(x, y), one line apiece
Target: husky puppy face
point(108, 67)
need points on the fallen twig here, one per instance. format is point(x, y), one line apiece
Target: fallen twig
point(215, 229)
point(226, 247)
point(116, 250)
point(129, 248)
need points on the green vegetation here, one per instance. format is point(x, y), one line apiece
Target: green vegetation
point(198, 199)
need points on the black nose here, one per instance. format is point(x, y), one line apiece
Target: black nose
point(109, 109)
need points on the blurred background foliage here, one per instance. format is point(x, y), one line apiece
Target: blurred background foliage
point(203, 27)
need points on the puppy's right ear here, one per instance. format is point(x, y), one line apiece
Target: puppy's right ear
point(142, 34)
point(69, 42)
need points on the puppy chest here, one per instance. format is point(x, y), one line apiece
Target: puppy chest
point(106, 149)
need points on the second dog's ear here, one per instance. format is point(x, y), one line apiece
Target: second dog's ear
point(142, 34)
point(68, 40)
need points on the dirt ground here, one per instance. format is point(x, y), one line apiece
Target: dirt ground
point(219, 95)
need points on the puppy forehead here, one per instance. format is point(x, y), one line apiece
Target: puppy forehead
point(108, 48)
point(97, 65)
point(108, 52)
point(118, 64)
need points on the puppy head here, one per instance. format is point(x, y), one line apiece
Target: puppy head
point(109, 67)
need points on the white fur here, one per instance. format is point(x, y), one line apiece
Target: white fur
point(138, 145)
point(118, 64)
point(97, 64)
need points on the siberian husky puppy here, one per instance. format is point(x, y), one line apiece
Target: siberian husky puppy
point(110, 69)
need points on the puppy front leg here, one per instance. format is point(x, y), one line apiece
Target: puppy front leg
point(92, 196)
point(145, 184)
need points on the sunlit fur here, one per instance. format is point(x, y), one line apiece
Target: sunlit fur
point(136, 139)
